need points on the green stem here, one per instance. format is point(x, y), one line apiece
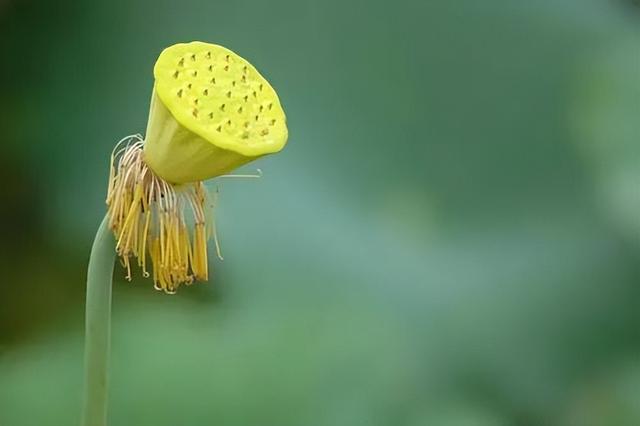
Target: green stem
point(98, 327)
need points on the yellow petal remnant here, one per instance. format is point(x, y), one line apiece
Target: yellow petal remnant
point(211, 111)
point(147, 216)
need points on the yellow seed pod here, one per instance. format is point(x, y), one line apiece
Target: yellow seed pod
point(211, 111)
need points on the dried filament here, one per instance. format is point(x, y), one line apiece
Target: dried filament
point(147, 216)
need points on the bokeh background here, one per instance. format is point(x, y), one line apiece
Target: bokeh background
point(451, 237)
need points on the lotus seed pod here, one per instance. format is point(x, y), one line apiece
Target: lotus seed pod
point(211, 111)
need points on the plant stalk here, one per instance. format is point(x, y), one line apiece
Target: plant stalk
point(98, 327)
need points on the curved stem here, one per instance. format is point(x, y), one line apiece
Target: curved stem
point(98, 327)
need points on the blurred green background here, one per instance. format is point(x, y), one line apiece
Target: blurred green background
point(451, 237)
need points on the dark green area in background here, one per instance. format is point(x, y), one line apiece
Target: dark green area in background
point(451, 237)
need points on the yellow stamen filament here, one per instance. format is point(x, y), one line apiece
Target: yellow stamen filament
point(147, 216)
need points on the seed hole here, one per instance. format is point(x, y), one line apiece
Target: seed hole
point(210, 68)
point(180, 93)
point(226, 58)
point(181, 62)
point(260, 87)
point(246, 98)
point(208, 56)
point(189, 86)
point(264, 132)
point(255, 95)
point(193, 57)
point(246, 124)
point(272, 122)
point(176, 74)
point(270, 106)
point(261, 108)
point(245, 135)
point(244, 78)
point(205, 92)
point(229, 94)
point(244, 69)
point(228, 122)
point(256, 117)
point(222, 107)
point(233, 83)
point(226, 67)
point(194, 73)
point(196, 101)
point(219, 128)
point(213, 80)
point(240, 110)
point(210, 115)
point(195, 113)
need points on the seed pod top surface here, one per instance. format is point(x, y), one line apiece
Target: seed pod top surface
point(220, 97)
